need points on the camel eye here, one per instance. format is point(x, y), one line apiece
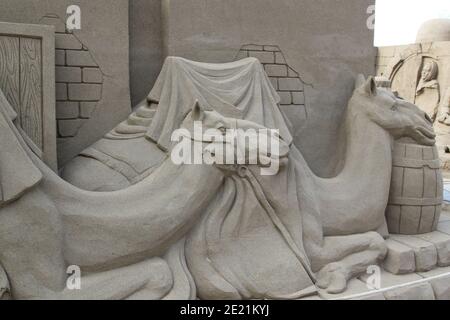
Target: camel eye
point(222, 129)
point(397, 95)
point(394, 107)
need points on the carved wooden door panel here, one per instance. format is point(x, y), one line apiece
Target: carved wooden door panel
point(27, 79)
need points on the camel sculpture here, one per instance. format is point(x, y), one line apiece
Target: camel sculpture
point(228, 231)
point(49, 225)
point(351, 205)
point(340, 215)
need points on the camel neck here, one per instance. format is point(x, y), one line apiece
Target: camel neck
point(368, 149)
point(364, 179)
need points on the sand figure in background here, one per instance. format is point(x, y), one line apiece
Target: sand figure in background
point(427, 92)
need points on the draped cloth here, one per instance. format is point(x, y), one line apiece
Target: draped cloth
point(237, 251)
point(17, 171)
point(238, 89)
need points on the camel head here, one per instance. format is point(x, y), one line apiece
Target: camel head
point(231, 143)
point(397, 116)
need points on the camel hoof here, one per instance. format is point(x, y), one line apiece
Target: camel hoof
point(332, 278)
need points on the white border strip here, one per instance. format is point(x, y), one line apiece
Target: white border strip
point(369, 293)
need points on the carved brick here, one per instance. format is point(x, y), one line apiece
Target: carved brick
point(86, 109)
point(67, 110)
point(67, 41)
point(279, 58)
point(61, 91)
point(285, 97)
point(442, 243)
point(60, 57)
point(253, 47)
point(276, 70)
point(85, 92)
point(263, 56)
point(290, 84)
point(271, 48)
point(79, 59)
point(400, 258)
point(92, 75)
point(298, 97)
point(68, 74)
point(425, 252)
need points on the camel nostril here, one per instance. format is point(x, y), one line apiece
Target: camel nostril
point(427, 117)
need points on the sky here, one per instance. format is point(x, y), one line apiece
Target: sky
point(397, 21)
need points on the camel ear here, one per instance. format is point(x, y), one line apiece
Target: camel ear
point(370, 87)
point(359, 81)
point(198, 114)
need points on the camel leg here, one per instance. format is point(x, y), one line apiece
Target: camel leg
point(148, 280)
point(345, 257)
